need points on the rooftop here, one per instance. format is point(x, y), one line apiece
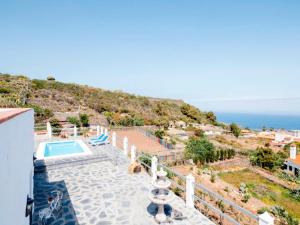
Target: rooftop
point(8, 113)
point(99, 190)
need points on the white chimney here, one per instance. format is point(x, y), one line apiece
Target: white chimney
point(293, 151)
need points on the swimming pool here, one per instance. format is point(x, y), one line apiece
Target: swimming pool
point(50, 150)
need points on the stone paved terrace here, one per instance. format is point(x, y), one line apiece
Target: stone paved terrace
point(101, 192)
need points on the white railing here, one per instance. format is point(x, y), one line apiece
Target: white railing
point(70, 131)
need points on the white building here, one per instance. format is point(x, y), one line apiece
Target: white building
point(296, 133)
point(16, 165)
point(279, 137)
point(293, 162)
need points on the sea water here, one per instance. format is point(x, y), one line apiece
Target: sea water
point(258, 121)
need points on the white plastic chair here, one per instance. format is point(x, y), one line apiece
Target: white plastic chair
point(55, 207)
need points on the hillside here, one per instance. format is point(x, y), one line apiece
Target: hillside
point(48, 97)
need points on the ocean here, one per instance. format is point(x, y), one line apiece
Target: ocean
point(258, 121)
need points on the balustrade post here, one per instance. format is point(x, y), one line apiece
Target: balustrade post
point(154, 168)
point(190, 191)
point(114, 139)
point(75, 131)
point(49, 130)
point(98, 130)
point(133, 153)
point(125, 145)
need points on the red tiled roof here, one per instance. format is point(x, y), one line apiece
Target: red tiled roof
point(8, 113)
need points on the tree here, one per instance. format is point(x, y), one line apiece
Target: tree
point(266, 158)
point(231, 153)
point(222, 157)
point(191, 112)
point(84, 119)
point(235, 130)
point(211, 117)
point(50, 78)
point(200, 150)
point(217, 155)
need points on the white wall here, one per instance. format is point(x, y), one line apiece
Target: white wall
point(16, 169)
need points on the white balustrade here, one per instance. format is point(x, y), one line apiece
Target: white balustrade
point(133, 153)
point(49, 130)
point(154, 161)
point(125, 145)
point(114, 139)
point(75, 131)
point(98, 130)
point(101, 130)
point(190, 191)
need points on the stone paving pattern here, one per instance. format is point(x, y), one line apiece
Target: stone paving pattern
point(103, 193)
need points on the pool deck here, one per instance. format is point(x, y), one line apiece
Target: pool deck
point(98, 190)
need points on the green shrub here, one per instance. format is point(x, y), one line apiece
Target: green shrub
point(246, 197)
point(40, 113)
point(159, 133)
point(295, 194)
point(213, 177)
point(39, 84)
point(129, 121)
point(221, 205)
point(4, 90)
point(266, 158)
point(56, 126)
point(236, 131)
point(146, 159)
point(199, 150)
point(211, 117)
point(285, 217)
point(74, 120)
point(177, 191)
point(262, 210)
point(84, 119)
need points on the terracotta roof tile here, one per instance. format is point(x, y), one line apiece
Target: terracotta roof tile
point(296, 161)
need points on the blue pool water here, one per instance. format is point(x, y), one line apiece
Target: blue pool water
point(62, 148)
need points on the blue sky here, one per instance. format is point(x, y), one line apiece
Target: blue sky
point(238, 56)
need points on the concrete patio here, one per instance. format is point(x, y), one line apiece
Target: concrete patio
point(98, 190)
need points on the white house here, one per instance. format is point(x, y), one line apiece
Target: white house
point(296, 133)
point(293, 162)
point(16, 165)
